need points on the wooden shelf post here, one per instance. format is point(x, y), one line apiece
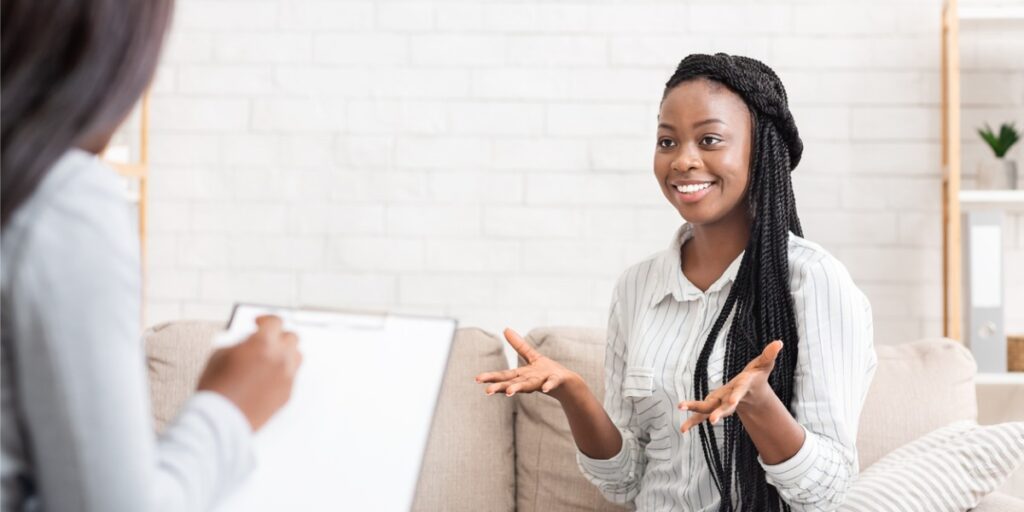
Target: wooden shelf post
point(951, 233)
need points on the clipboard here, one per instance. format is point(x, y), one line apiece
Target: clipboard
point(355, 431)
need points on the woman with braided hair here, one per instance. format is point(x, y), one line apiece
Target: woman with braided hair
point(741, 328)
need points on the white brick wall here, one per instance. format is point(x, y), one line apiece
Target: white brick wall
point(492, 160)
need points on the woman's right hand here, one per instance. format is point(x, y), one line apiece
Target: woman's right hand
point(541, 373)
point(257, 374)
point(595, 434)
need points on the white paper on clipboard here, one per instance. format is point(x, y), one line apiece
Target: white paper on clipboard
point(355, 431)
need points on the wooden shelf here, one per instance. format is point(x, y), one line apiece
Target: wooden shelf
point(955, 201)
point(130, 170)
point(991, 13)
point(950, 136)
point(1016, 378)
point(1007, 200)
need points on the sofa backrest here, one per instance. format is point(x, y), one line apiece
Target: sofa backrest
point(547, 477)
point(470, 460)
point(918, 387)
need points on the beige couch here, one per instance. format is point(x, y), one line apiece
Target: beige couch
point(500, 454)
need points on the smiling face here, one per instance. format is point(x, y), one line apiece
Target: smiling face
point(702, 160)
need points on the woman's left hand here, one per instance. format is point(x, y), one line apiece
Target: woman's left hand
point(750, 383)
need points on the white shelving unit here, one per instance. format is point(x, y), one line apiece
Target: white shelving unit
point(1004, 200)
point(976, 16)
point(981, 205)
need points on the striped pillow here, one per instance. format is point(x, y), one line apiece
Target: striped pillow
point(949, 469)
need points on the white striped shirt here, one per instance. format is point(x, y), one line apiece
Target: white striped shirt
point(657, 327)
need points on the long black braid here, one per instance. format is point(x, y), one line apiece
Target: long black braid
point(760, 296)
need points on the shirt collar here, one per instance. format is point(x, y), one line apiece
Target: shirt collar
point(675, 283)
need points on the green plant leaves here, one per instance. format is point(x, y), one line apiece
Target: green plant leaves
point(1000, 144)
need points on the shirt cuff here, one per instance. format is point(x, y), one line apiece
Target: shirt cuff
point(225, 410)
point(234, 433)
point(793, 469)
point(618, 468)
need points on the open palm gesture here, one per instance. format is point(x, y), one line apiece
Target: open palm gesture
point(541, 373)
point(722, 402)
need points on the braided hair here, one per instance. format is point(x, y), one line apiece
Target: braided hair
point(760, 297)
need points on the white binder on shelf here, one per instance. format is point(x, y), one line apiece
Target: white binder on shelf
point(354, 434)
point(984, 317)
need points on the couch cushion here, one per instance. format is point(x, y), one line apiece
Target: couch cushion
point(176, 354)
point(470, 459)
point(546, 473)
point(918, 387)
point(950, 469)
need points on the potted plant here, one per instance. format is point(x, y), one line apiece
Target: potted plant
point(1004, 175)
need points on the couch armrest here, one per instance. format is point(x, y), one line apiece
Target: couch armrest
point(176, 354)
point(1001, 399)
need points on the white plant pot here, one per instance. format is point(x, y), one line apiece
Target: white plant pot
point(988, 170)
point(998, 174)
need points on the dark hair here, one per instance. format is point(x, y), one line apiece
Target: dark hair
point(760, 295)
point(71, 70)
